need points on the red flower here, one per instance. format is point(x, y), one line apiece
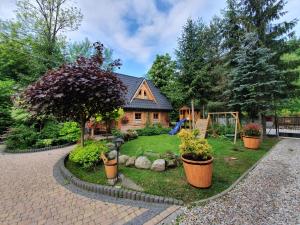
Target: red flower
point(252, 129)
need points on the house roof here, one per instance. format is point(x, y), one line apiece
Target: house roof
point(133, 83)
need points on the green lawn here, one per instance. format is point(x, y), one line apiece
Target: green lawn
point(158, 144)
point(172, 182)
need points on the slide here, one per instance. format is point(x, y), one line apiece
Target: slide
point(177, 127)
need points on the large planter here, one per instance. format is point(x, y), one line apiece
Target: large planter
point(111, 169)
point(251, 142)
point(198, 173)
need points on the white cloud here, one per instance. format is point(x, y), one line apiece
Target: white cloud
point(7, 8)
point(157, 32)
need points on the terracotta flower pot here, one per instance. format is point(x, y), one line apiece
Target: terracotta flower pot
point(111, 169)
point(251, 142)
point(198, 173)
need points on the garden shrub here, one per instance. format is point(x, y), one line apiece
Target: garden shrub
point(127, 136)
point(89, 155)
point(53, 133)
point(192, 147)
point(69, 132)
point(51, 130)
point(153, 130)
point(21, 137)
point(21, 116)
point(41, 143)
point(130, 135)
point(221, 129)
point(117, 133)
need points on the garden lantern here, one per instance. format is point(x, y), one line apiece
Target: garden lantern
point(118, 143)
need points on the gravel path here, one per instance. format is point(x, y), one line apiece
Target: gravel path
point(270, 194)
point(32, 192)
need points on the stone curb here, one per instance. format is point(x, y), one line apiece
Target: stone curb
point(38, 149)
point(237, 181)
point(246, 173)
point(112, 191)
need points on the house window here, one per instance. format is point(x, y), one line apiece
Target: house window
point(155, 116)
point(138, 116)
point(145, 95)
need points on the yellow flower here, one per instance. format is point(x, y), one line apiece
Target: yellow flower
point(190, 144)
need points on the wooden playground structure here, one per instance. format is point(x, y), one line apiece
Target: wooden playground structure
point(195, 121)
point(186, 112)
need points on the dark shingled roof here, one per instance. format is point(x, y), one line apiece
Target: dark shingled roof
point(133, 84)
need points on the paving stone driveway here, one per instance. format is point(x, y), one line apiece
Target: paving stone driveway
point(33, 192)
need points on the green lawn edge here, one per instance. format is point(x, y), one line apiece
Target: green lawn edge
point(172, 182)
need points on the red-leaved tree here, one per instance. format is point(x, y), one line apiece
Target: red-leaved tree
point(77, 91)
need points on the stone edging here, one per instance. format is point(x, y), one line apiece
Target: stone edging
point(112, 191)
point(38, 149)
point(237, 181)
point(179, 211)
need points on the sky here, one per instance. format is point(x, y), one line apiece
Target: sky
point(138, 30)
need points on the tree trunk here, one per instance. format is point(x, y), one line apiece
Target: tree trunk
point(193, 115)
point(264, 125)
point(262, 121)
point(82, 124)
point(93, 132)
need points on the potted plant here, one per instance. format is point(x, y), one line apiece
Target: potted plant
point(110, 166)
point(196, 155)
point(251, 137)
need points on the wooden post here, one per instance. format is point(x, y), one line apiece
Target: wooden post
point(236, 126)
point(193, 115)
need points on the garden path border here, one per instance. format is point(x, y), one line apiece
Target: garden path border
point(140, 196)
point(30, 150)
point(112, 191)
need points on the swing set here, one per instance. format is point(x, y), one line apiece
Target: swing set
point(225, 118)
point(203, 124)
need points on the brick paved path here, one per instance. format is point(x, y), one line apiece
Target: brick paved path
point(33, 192)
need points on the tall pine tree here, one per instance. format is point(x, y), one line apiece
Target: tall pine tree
point(255, 82)
point(191, 62)
point(262, 18)
point(232, 30)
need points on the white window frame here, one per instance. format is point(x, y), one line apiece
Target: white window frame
point(156, 120)
point(137, 120)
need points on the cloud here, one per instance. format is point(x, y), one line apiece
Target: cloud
point(153, 30)
point(7, 8)
point(137, 30)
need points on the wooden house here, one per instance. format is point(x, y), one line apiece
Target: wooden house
point(144, 104)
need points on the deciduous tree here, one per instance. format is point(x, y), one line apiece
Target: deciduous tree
point(46, 21)
point(162, 70)
point(77, 91)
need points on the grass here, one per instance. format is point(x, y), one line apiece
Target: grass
point(158, 144)
point(172, 182)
